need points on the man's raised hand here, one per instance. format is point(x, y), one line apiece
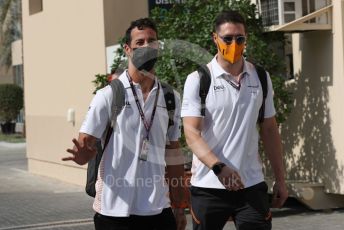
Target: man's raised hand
point(83, 150)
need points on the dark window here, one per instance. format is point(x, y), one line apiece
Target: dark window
point(312, 9)
point(289, 18)
point(35, 6)
point(269, 12)
point(290, 66)
point(289, 6)
point(308, 6)
point(18, 75)
point(304, 7)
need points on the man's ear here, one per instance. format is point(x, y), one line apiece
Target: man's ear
point(215, 37)
point(126, 49)
point(215, 40)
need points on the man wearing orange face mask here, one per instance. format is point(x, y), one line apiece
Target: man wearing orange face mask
point(221, 130)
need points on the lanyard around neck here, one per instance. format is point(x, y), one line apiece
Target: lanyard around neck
point(142, 115)
point(236, 85)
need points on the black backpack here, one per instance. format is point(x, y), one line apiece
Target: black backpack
point(118, 103)
point(205, 80)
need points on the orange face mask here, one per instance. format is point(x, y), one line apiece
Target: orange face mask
point(231, 52)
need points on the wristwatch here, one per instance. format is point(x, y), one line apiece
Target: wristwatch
point(217, 167)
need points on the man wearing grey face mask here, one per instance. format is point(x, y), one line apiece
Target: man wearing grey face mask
point(144, 58)
point(131, 190)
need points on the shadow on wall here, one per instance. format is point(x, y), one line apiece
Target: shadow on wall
point(308, 147)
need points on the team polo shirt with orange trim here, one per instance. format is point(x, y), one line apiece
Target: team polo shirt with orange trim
point(230, 122)
point(127, 185)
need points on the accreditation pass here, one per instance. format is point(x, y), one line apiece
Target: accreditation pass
point(144, 150)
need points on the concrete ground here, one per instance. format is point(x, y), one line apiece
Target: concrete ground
point(29, 201)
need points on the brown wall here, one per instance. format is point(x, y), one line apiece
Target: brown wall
point(63, 47)
point(117, 16)
point(313, 133)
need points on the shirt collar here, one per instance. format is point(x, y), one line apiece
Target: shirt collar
point(218, 71)
point(124, 79)
point(156, 82)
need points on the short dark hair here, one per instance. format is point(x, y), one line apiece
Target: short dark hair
point(141, 24)
point(117, 71)
point(231, 16)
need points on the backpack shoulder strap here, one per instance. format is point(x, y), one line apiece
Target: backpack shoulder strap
point(205, 80)
point(263, 81)
point(118, 100)
point(118, 103)
point(170, 102)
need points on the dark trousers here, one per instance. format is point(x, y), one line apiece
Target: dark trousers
point(163, 221)
point(249, 208)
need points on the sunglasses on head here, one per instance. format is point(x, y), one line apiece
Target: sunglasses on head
point(228, 39)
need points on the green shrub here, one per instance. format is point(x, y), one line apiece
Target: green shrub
point(187, 43)
point(11, 102)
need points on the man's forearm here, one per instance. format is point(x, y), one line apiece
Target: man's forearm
point(273, 148)
point(175, 180)
point(199, 147)
point(175, 174)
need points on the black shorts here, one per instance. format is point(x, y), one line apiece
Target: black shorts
point(163, 221)
point(249, 208)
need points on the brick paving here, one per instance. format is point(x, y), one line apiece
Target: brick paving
point(34, 202)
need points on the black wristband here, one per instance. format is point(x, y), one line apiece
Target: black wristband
point(217, 168)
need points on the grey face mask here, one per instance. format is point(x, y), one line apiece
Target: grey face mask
point(144, 58)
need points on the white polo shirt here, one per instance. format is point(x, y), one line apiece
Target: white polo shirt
point(230, 123)
point(126, 185)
